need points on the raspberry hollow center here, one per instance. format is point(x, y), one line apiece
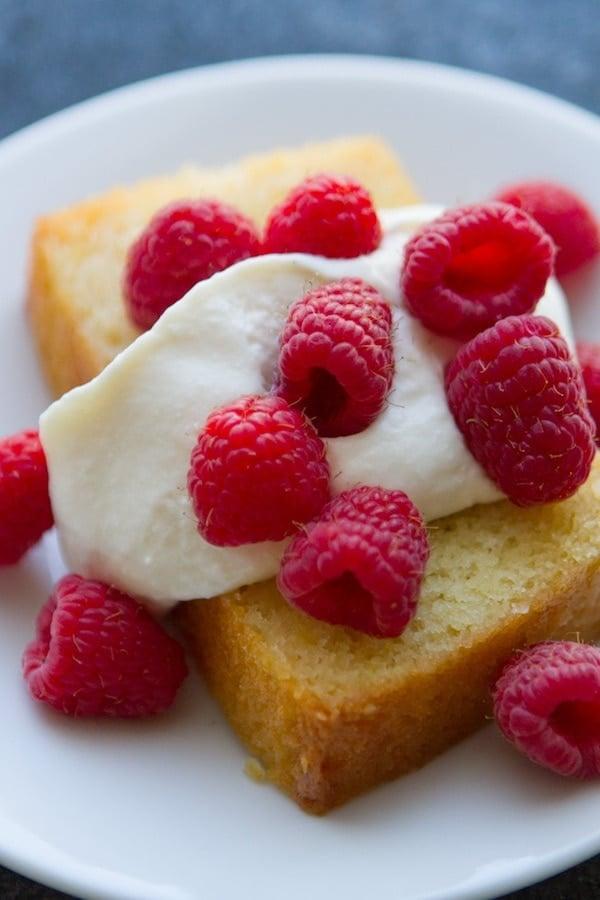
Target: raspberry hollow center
point(325, 401)
point(336, 360)
point(488, 268)
point(348, 602)
point(578, 721)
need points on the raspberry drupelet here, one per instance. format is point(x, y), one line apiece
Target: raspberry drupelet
point(328, 215)
point(360, 563)
point(25, 510)
point(518, 398)
point(184, 243)
point(336, 360)
point(473, 266)
point(547, 704)
point(97, 652)
point(258, 470)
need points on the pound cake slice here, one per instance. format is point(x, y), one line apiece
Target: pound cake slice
point(75, 304)
point(330, 712)
point(327, 711)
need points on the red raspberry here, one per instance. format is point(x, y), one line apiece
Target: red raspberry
point(328, 215)
point(336, 360)
point(589, 360)
point(25, 511)
point(360, 564)
point(473, 266)
point(547, 703)
point(184, 243)
point(518, 398)
point(257, 471)
point(99, 653)
point(564, 216)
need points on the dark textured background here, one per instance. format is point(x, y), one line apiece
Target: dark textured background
point(56, 52)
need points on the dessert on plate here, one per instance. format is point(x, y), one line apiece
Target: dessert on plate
point(402, 528)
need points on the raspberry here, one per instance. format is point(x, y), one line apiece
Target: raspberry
point(518, 398)
point(257, 471)
point(564, 216)
point(184, 243)
point(25, 511)
point(473, 266)
point(328, 215)
point(547, 703)
point(360, 564)
point(336, 360)
point(589, 360)
point(99, 653)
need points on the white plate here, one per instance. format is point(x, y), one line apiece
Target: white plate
point(163, 810)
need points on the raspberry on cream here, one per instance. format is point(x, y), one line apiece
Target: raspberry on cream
point(474, 265)
point(517, 395)
point(337, 360)
point(285, 484)
point(119, 448)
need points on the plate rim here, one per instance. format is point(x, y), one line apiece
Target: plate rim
point(374, 68)
point(83, 880)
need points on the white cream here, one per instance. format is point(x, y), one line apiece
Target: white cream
point(118, 448)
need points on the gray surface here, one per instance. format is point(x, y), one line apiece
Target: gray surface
point(56, 52)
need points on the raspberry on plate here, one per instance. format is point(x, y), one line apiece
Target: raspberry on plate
point(336, 360)
point(184, 243)
point(473, 266)
point(25, 510)
point(564, 216)
point(547, 703)
point(589, 360)
point(257, 471)
point(518, 398)
point(328, 215)
point(360, 564)
point(97, 652)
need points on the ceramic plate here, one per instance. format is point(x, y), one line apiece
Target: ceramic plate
point(163, 811)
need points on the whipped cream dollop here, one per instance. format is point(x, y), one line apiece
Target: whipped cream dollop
point(118, 448)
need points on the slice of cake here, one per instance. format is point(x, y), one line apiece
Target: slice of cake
point(330, 712)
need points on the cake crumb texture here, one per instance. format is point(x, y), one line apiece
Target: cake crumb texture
point(331, 712)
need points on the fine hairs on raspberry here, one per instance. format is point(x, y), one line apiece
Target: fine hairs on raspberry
point(98, 652)
point(518, 398)
point(258, 470)
point(336, 360)
point(547, 704)
point(360, 563)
